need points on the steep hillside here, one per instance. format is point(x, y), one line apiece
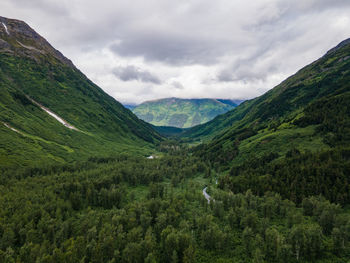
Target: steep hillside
point(294, 113)
point(182, 113)
point(50, 111)
point(293, 140)
point(130, 106)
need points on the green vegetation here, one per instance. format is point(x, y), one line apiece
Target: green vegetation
point(181, 113)
point(308, 111)
point(106, 127)
point(168, 131)
point(276, 167)
point(127, 209)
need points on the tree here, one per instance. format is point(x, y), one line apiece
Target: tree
point(132, 253)
point(150, 258)
point(213, 237)
point(314, 241)
point(250, 220)
point(274, 241)
point(297, 240)
point(174, 257)
point(248, 237)
point(258, 256)
point(189, 254)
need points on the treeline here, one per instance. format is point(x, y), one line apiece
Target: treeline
point(84, 213)
point(332, 115)
point(106, 211)
point(217, 154)
point(295, 176)
point(275, 230)
point(126, 168)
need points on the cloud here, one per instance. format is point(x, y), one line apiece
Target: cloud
point(51, 6)
point(170, 48)
point(130, 73)
point(193, 48)
point(178, 85)
point(256, 68)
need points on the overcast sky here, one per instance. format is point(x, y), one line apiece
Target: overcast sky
point(138, 50)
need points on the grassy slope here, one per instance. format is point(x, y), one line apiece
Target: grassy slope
point(269, 123)
point(106, 126)
point(182, 113)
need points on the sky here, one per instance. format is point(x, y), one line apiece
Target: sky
point(140, 50)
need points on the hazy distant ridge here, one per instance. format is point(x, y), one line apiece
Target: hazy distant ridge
point(182, 113)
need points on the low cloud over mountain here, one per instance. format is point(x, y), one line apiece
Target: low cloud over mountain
point(210, 47)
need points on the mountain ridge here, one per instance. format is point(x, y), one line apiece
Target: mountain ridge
point(22, 31)
point(291, 115)
point(181, 113)
point(38, 82)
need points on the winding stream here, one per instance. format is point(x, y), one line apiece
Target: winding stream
point(206, 195)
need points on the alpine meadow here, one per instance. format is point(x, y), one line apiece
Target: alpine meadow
point(190, 179)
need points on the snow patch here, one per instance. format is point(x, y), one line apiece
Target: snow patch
point(5, 28)
point(58, 118)
point(11, 128)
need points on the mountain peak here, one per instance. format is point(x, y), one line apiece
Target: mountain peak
point(48, 108)
point(339, 46)
point(17, 37)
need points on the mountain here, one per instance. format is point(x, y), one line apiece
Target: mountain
point(270, 183)
point(130, 106)
point(182, 113)
point(233, 103)
point(50, 111)
point(293, 140)
point(282, 108)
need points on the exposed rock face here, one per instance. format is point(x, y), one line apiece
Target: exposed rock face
point(4, 45)
point(19, 38)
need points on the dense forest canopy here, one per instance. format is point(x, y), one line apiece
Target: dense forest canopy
point(127, 209)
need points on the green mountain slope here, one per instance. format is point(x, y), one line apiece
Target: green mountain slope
point(293, 140)
point(181, 113)
point(34, 75)
point(309, 110)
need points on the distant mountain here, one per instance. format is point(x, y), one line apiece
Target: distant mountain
point(130, 106)
point(182, 113)
point(233, 103)
point(50, 111)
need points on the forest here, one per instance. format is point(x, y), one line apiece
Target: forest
point(132, 209)
point(276, 169)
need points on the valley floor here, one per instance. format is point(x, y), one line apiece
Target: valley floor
point(130, 209)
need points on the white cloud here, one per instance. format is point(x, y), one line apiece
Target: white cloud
point(187, 48)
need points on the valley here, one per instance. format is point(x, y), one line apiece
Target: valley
point(83, 179)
